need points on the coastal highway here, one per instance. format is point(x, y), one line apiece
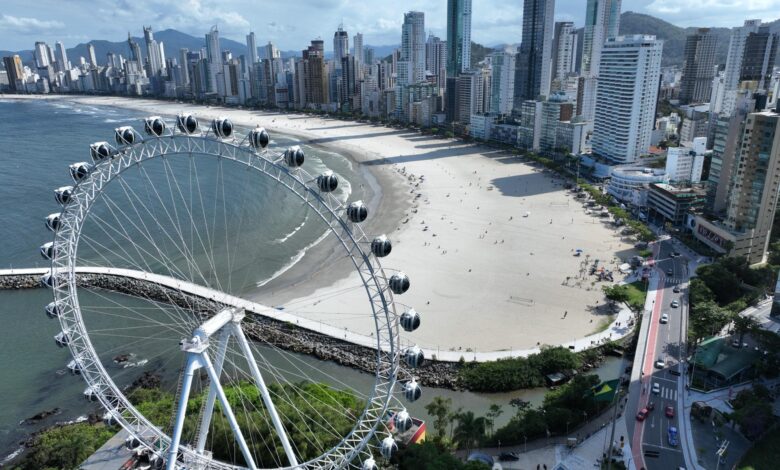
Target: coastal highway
point(662, 366)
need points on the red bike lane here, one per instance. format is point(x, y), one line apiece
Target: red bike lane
point(647, 370)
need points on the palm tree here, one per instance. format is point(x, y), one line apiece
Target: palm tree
point(470, 430)
point(452, 417)
point(744, 324)
point(439, 408)
point(493, 413)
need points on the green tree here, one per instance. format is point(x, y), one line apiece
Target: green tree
point(440, 408)
point(427, 455)
point(493, 413)
point(743, 325)
point(616, 293)
point(469, 431)
point(65, 447)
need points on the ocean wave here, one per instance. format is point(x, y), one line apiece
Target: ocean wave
point(112, 120)
point(12, 456)
point(295, 230)
point(294, 260)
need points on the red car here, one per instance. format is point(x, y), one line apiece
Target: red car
point(669, 411)
point(642, 414)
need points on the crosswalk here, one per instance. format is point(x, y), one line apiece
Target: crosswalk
point(668, 393)
point(675, 280)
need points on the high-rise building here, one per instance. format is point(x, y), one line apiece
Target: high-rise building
point(251, 45)
point(629, 74)
point(213, 51)
point(753, 195)
point(41, 55)
point(340, 46)
point(564, 48)
point(436, 60)
point(602, 21)
point(357, 43)
point(458, 36)
point(313, 72)
point(135, 50)
point(502, 83)
point(412, 48)
point(733, 70)
point(271, 52)
point(62, 57)
point(698, 67)
point(15, 70)
point(91, 55)
point(153, 54)
point(758, 59)
point(184, 63)
point(534, 56)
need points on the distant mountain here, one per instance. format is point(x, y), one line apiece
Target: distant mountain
point(673, 36)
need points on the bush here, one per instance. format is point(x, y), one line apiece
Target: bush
point(65, 447)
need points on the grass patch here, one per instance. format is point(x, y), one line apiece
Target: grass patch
point(764, 455)
point(646, 253)
point(637, 293)
point(603, 324)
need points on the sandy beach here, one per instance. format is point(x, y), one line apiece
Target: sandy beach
point(487, 239)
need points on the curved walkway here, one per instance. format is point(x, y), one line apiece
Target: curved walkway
point(619, 328)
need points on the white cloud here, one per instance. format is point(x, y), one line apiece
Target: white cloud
point(713, 7)
point(25, 25)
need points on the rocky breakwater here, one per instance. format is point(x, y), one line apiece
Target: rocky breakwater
point(282, 335)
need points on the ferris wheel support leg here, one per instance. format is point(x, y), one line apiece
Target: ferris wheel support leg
point(239, 334)
point(212, 397)
point(228, 411)
point(189, 370)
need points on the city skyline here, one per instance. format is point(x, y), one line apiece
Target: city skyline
point(494, 21)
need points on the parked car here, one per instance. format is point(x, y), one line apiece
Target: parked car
point(672, 437)
point(508, 457)
point(659, 364)
point(642, 414)
point(656, 388)
point(669, 411)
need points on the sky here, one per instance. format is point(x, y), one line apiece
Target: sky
point(290, 24)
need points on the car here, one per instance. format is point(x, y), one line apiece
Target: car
point(656, 388)
point(675, 254)
point(671, 435)
point(670, 272)
point(664, 318)
point(659, 364)
point(642, 414)
point(675, 304)
point(669, 411)
point(650, 406)
point(508, 457)
point(676, 289)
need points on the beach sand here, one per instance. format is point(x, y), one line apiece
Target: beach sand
point(486, 239)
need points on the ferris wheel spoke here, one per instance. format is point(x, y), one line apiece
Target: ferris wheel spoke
point(193, 225)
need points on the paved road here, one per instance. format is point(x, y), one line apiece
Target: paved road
point(663, 342)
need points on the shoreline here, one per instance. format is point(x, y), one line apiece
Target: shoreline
point(499, 307)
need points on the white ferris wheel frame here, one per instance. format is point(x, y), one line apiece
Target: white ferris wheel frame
point(297, 181)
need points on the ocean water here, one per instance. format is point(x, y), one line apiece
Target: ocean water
point(38, 140)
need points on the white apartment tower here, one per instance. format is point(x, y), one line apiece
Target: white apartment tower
point(62, 57)
point(251, 45)
point(41, 55)
point(629, 73)
point(502, 83)
point(357, 43)
point(413, 47)
point(564, 50)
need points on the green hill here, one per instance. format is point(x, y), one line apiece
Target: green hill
point(673, 36)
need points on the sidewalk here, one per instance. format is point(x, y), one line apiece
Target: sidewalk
point(588, 453)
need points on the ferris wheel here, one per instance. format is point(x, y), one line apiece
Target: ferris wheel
point(154, 273)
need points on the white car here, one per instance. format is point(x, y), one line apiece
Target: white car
point(660, 364)
point(664, 318)
point(656, 388)
point(675, 304)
